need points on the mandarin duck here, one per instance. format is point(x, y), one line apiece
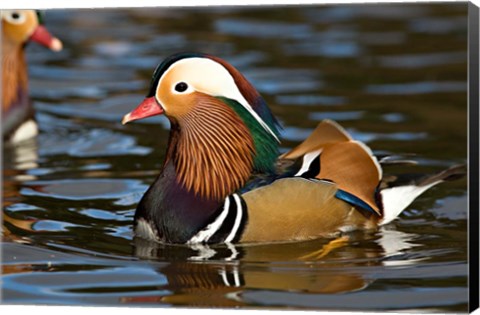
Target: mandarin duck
point(223, 181)
point(19, 27)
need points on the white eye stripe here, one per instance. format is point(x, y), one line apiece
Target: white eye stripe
point(14, 17)
point(207, 76)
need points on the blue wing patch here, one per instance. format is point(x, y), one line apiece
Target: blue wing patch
point(354, 200)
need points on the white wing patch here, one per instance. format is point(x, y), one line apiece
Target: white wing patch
point(307, 161)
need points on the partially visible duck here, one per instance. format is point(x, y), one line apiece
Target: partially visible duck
point(222, 180)
point(19, 27)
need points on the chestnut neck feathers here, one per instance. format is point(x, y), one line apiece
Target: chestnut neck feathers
point(14, 74)
point(211, 158)
point(216, 147)
point(16, 106)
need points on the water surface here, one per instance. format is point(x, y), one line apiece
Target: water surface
point(395, 76)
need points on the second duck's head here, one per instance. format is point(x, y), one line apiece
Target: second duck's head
point(20, 26)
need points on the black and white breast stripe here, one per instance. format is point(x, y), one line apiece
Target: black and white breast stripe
point(226, 226)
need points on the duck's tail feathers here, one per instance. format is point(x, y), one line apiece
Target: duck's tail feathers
point(398, 193)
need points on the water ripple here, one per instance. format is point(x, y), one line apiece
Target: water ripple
point(262, 29)
point(338, 116)
point(412, 88)
point(438, 25)
point(92, 143)
point(310, 100)
point(423, 60)
point(83, 189)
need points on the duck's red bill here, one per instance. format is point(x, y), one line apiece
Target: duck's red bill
point(148, 108)
point(43, 37)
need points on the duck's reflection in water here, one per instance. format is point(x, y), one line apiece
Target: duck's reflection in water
point(18, 160)
point(206, 276)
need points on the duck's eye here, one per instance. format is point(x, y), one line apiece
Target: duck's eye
point(181, 87)
point(15, 17)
